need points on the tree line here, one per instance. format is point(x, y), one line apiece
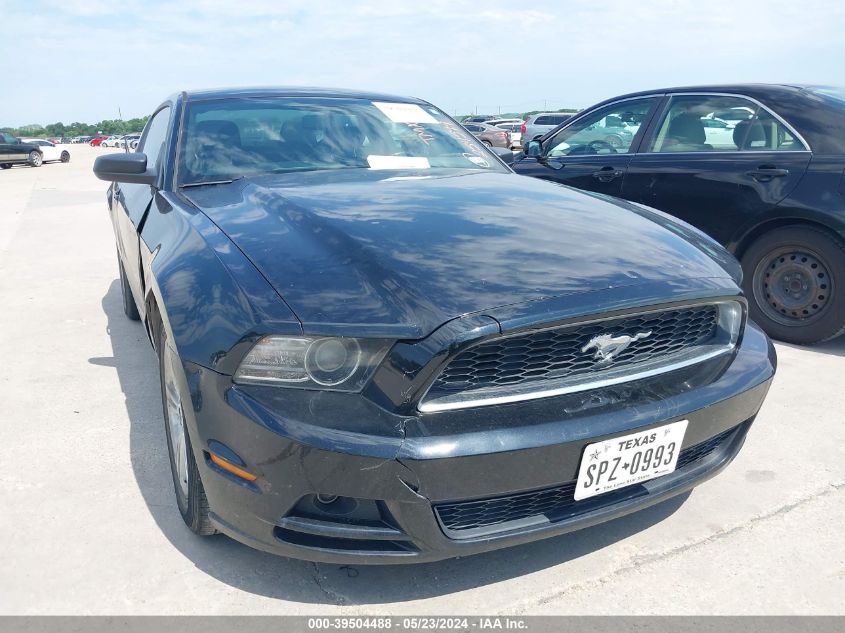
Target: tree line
point(108, 126)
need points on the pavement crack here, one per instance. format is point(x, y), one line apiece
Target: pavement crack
point(639, 561)
point(333, 596)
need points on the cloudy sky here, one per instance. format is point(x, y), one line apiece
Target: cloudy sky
point(85, 60)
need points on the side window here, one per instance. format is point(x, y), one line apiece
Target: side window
point(543, 120)
point(610, 130)
point(693, 124)
point(152, 141)
point(766, 134)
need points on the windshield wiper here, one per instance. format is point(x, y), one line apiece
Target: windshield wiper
point(210, 182)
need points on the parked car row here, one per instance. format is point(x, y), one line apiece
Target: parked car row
point(534, 126)
point(116, 140)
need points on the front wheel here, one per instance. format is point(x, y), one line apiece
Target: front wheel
point(5, 166)
point(794, 278)
point(487, 143)
point(190, 494)
point(35, 159)
point(65, 157)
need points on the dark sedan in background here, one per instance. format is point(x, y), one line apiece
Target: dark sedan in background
point(761, 168)
point(378, 344)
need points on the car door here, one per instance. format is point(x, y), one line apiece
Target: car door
point(130, 202)
point(718, 182)
point(588, 153)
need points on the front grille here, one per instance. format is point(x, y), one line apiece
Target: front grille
point(549, 504)
point(563, 355)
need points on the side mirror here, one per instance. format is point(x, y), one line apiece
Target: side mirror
point(534, 148)
point(130, 168)
point(504, 153)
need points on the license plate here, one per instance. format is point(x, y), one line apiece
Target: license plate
point(630, 459)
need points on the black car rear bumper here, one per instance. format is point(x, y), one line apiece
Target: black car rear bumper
point(394, 484)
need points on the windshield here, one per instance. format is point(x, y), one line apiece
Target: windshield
point(231, 138)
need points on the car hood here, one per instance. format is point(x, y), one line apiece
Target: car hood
point(378, 252)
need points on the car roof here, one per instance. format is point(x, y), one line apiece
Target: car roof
point(292, 91)
point(749, 89)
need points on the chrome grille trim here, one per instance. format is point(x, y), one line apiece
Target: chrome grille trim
point(731, 319)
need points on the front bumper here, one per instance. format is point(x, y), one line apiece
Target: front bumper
point(400, 469)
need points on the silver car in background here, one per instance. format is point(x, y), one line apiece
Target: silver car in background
point(540, 123)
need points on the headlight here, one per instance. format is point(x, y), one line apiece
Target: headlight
point(337, 364)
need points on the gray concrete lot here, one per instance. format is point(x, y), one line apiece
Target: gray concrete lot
point(88, 523)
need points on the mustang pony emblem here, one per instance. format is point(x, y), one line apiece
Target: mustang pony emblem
point(608, 346)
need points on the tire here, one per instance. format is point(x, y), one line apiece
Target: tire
point(91, 144)
point(129, 307)
point(794, 278)
point(65, 157)
point(487, 143)
point(190, 494)
point(5, 166)
point(36, 159)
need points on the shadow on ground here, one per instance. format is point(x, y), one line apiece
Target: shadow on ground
point(293, 580)
point(836, 347)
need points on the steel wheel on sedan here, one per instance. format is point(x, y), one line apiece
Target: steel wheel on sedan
point(794, 279)
point(190, 494)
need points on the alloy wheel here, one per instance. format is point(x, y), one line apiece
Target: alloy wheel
point(176, 424)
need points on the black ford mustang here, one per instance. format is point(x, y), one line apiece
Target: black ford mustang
point(761, 168)
point(378, 344)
